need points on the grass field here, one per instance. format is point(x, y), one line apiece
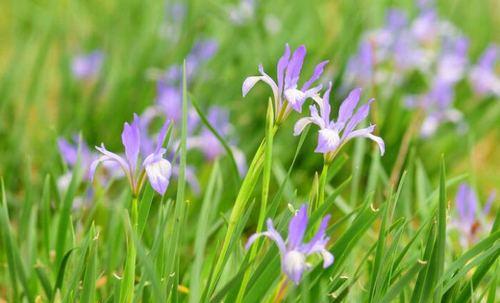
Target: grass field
point(413, 215)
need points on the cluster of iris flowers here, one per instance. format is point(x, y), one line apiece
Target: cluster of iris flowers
point(432, 47)
point(145, 159)
point(428, 44)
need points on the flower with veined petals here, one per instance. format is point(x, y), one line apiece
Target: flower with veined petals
point(157, 169)
point(294, 251)
point(471, 219)
point(288, 73)
point(334, 134)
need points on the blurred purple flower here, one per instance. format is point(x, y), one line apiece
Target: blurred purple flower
point(243, 12)
point(286, 89)
point(334, 134)
point(360, 68)
point(453, 61)
point(208, 143)
point(157, 169)
point(483, 76)
point(471, 219)
point(294, 251)
point(86, 66)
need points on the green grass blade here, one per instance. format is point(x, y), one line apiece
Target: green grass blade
point(396, 289)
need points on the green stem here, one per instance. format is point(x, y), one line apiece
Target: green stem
point(322, 184)
point(240, 203)
point(127, 288)
point(266, 179)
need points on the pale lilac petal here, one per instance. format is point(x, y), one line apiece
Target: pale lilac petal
point(282, 64)
point(272, 234)
point(328, 141)
point(294, 67)
point(68, 152)
point(466, 203)
point(110, 156)
point(158, 171)
point(347, 107)
point(325, 107)
point(301, 124)
point(162, 135)
point(294, 264)
point(359, 116)
point(297, 228)
point(319, 240)
point(318, 71)
point(328, 258)
point(295, 98)
point(131, 141)
point(249, 83)
point(367, 133)
point(489, 202)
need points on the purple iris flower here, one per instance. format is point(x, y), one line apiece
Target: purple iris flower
point(471, 219)
point(157, 169)
point(294, 251)
point(485, 80)
point(288, 73)
point(86, 66)
point(334, 134)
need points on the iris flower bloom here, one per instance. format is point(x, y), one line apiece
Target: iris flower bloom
point(483, 77)
point(334, 134)
point(295, 251)
point(471, 219)
point(288, 73)
point(86, 66)
point(157, 169)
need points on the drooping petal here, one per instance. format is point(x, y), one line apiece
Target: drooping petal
point(282, 64)
point(297, 228)
point(249, 83)
point(301, 124)
point(294, 67)
point(131, 141)
point(272, 234)
point(158, 171)
point(328, 258)
point(318, 71)
point(368, 133)
point(347, 107)
point(110, 156)
point(328, 141)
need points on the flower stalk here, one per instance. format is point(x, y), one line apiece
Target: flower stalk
point(127, 287)
point(268, 151)
point(322, 184)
